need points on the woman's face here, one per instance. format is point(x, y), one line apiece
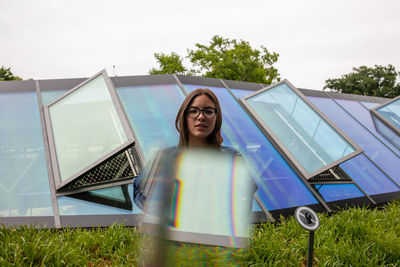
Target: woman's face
point(201, 127)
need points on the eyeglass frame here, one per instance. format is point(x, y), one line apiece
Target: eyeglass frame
point(201, 111)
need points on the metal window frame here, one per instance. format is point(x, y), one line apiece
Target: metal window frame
point(374, 112)
point(131, 142)
point(282, 148)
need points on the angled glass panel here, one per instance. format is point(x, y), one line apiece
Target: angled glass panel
point(302, 133)
point(24, 183)
point(334, 192)
point(387, 121)
point(391, 112)
point(74, 206)
point(117, 196)
point(363, 115)
point(373, 148)
point(279, 187)
point(86, 127)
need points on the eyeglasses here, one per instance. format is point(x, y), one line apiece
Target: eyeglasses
point(194, 112)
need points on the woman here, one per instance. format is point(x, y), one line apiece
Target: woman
point(198, 122)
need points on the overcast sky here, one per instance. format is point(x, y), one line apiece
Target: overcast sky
point(316, 39)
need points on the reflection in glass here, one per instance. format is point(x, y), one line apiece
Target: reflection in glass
point(391, 112)
point(24, 184)
point(387, 122)
point(301, 130)
point(388, 133)
point(85, 126)
point(333, 192)
point(368, 176)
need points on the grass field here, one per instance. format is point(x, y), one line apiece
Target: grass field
point(357, 237)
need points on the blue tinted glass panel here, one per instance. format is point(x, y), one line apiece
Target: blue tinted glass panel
point(152, 111)
point(72, 206)
point(255, 206)
point(339, 192)
point(302, 131)
point(240, 93)
point(372, 147)
point(51, 95)
point(364, 116)
point(391, 112)
point(24, 184)
point(279, 186)
point(388, 133)
point(114, 192)
point(368, 176)
point(369, 105)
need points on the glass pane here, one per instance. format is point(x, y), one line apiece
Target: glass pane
point(368, 176)
point(369, 105)
point(240, 93)
point(279, 187)
point(72, 206)
point(389, 134)
point(391, 112)
point(363, 115)
point(152, 111)
point(339, 192)
point(114, 192)
point(24, 184)
point(51, 95)
point(301, 130)
point(372, 147)
point(85, 127)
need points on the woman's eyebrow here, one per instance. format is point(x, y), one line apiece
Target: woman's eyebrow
point(204, 107)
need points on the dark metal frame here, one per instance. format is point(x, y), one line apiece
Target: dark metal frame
point(125, 124)
point(284, 151)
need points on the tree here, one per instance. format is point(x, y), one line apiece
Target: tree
point(377, 81)
point(7, 75)
point(169, 64)
point(235, 60)
point(223, 59)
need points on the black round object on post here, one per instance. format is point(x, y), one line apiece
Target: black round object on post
point(308, 219)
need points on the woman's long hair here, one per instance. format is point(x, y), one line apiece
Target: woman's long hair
point(214, 139)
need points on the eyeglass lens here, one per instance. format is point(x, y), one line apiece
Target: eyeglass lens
point(194, 112)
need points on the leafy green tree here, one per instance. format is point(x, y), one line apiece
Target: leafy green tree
point(169, 64)
point(235, 60)
point(223, 59)
point(377, 81)
point(7, 75)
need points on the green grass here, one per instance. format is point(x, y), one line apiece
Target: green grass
point(353, 237)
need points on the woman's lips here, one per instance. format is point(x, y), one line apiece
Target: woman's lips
point(201, 126)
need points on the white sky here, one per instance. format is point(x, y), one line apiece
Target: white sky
point(316, 39)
